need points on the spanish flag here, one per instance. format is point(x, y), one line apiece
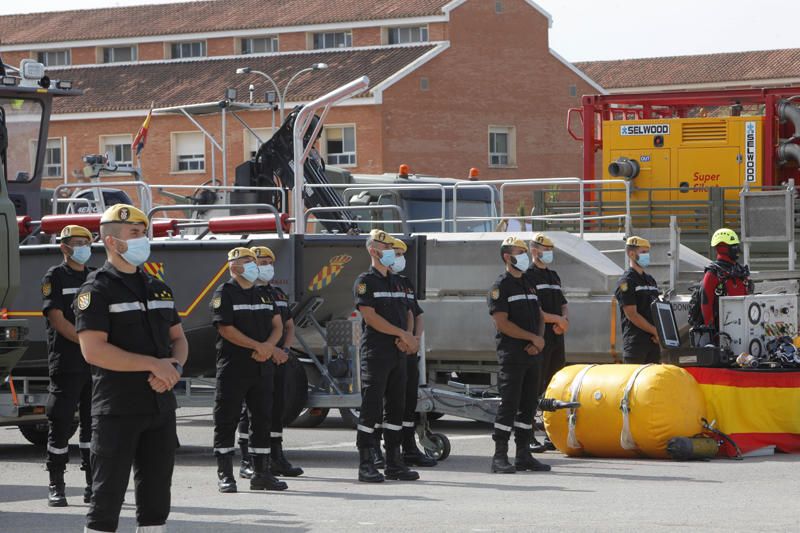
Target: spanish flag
point(755, 408)
point(141, 136)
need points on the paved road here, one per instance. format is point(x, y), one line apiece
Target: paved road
point(758, 494)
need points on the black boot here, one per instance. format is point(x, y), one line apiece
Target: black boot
point(246, 468)
point(500, 464)
point(396, 468)
point(279, 464)
point(524, 460)
point(541, 447)
point(56, 496)
point(86, 466)
point(412, 455)
point(226, 483)
point(366, 466)
point(262, 478)
point(380, 462)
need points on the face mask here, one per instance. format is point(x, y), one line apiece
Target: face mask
point(644, 260)
point(250, 272)
point(81, 254)
point(138, 251)
point(733, 252)
point(399, 264)
point(266, 273)
point(547, 257)
point(522, 262)
point(387, 258)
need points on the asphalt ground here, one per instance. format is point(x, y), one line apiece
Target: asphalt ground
point(586, 494)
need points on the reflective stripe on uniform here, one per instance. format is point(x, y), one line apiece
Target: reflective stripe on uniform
point(57, 451)
point(84, 445)
point(71, 290)
point(262, 451)
point(522, 297)
point(381, 294)
point(281, 303)
point(251, 307)
point(160, 304)
point(522, 425)
point(125, 307)
point(399, 294)
point(646, 288)
point(244, 436)
point(391, 427)
point(378, 425)
point(275, 435)
point(501, 427)
point(223, 451)
point(365, 429)
point(546, 286)
point(409, 424)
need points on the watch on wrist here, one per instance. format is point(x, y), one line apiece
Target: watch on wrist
point(178, 367)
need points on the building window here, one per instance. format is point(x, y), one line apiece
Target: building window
point(259, 45)
point(424, 84)
point(340, 39)
point(251, 142)
point(417, 34)
point(118, 148)
point(188, 152)
point(54, 58)
point(498, 6)
point(340, 145)
point(117, 54)
point(184, 50)
point(52, 159)
point(502, 146)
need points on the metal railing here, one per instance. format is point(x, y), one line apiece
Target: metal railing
point(403, 221)
point(146, 194)
point(204, 223)
point(224, 188)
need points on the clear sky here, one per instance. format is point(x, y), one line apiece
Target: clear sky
point(614, 29)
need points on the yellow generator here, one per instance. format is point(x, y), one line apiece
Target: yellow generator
point(682, 157)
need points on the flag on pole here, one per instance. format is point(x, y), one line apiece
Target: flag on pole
point(141, 136)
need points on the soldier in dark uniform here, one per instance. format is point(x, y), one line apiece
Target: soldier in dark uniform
point(70, 378)
point(248, 330)
point(635, 292)
point(514, 307)
point(130, 332)
point(411, 454)
point(279, 465)
point(547, 284)
point(387, 336)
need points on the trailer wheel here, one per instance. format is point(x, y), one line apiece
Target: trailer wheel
point(441, 446)
point(36, 433)
point(310, 418)
point(296, 390)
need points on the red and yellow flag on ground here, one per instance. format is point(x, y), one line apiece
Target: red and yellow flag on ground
point(756, 408)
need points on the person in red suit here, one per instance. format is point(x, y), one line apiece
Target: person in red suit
point(724, 277)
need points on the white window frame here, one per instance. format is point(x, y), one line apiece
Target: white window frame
point(272, 38)
point(62, 159)
point(42, 55)
point(511, 141)
point(424, 28)
point(203, 49)
point(250, 142)
point(134, 54)
point(324, 35)
point(324, 145)
point(105, 143)
point(175, 157)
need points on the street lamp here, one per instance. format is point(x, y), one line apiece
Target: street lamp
point(282, 96)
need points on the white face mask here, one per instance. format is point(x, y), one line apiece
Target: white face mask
point(399, 264)
point(266, 273)
point(523, 261)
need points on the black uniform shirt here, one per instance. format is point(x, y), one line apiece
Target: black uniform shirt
point(548, 288)
point(60, 285)
point(248, 310)
point(517, 297)
point(411, 295)
point(281, 303)
point(639, 290)
point(136, 311)
point(387, 296)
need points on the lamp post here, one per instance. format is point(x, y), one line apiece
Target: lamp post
point(282, 95)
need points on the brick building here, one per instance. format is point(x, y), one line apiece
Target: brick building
point(454, 83)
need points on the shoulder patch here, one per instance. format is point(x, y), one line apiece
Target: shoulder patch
point(623, 286)
point(362, 288)
point(47, 288)
point(216, 302)
point(495, 294)
point(84, 299)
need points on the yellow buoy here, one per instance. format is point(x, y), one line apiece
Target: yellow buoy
point(626, 410)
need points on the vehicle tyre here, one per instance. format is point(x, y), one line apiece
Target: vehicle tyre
point(310, 418)
point(441, 447)
point(36, 433)
point(350, 416)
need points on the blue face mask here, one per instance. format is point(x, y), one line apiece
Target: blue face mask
point(644, 260)
point(138, 251)
point(399, 264)
point(547, 257)
point(387, 257)
point(266, 273)
point(81, 254)
point(522, 262)
point(250, 272)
